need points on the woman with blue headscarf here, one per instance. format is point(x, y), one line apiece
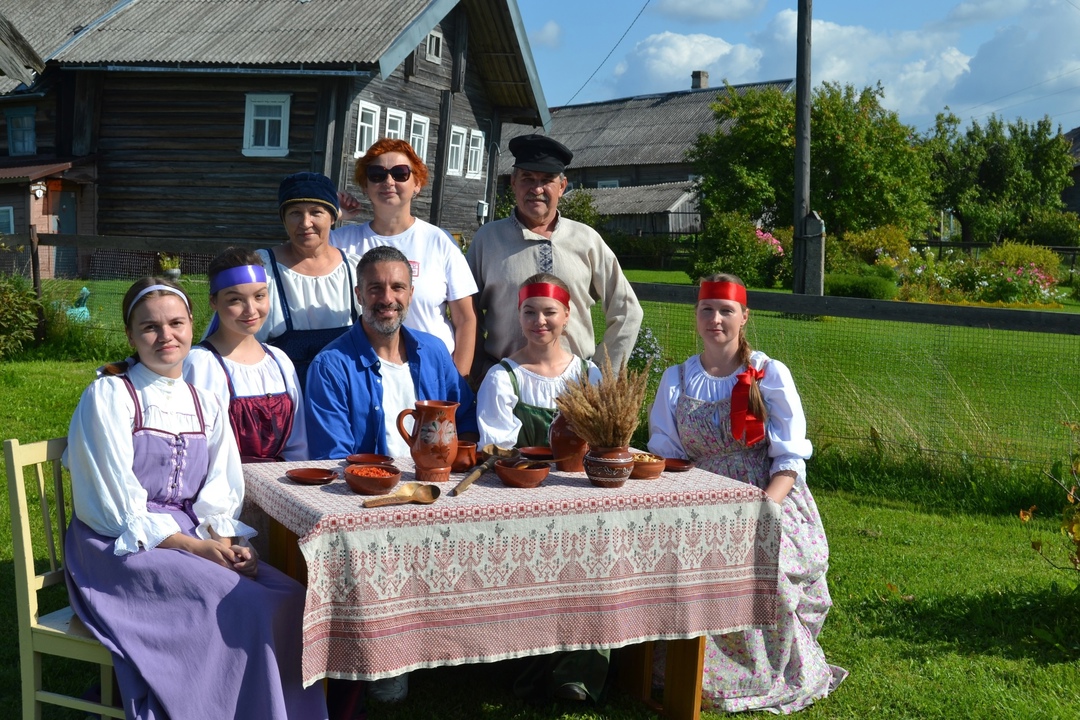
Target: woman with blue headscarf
point(256, 382)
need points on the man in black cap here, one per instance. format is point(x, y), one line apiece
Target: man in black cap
point(534, 239)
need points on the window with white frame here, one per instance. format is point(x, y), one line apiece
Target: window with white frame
point(22, 131)
point(367, 127)
point(456, 158)
point(395, 124)
point(418, 135)
point(607, 183)
point(266, 125)
point(434, 47)
point(7, 220)
point(474, 166)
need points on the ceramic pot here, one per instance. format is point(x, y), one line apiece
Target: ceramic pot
point(171, 273)
point(608, 467)
point(466, 457)
point(566, 446)
point(433, 441)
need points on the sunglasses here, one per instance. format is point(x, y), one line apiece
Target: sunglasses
point(377, 173)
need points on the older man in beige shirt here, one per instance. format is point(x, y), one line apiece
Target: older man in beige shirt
point(536, 238)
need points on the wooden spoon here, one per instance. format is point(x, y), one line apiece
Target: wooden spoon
point(411, 492)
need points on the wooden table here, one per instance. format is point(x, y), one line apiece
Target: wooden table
point(500, 573)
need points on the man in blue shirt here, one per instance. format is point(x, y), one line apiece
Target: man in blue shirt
point(359, 383)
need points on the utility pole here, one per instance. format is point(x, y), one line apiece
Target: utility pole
point(809, 254)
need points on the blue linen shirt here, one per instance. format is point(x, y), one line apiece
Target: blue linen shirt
point(343, 400)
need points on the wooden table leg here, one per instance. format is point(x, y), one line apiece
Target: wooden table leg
point(682, 676)
point(285, 552)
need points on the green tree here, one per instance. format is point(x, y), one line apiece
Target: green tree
point(996, 178)
point(866, 168)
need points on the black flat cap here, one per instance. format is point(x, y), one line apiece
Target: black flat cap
point(540, 153)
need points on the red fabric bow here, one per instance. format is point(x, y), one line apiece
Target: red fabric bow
point(742, 420)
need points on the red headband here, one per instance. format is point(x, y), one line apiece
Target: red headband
point(724, 290)
point(544, 290)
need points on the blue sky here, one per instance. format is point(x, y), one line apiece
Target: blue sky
point(1018, 58)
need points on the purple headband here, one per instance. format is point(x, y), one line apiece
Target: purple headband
point(238, 275)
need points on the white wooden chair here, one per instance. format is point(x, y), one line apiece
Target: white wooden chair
point(59, 633)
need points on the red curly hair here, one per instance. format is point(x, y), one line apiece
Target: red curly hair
point(389, 145)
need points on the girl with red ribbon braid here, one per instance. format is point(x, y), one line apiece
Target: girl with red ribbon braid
point(736, 412)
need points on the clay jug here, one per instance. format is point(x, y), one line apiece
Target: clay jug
point(566, 446)
point(433, 442)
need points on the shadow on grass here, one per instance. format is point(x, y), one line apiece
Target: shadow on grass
point(941, 484)
point(1041, 626)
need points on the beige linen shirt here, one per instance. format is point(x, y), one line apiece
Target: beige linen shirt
point(504, 253)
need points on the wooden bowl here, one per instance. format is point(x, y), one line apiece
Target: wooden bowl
point(372, 479)
point(536, 453)
point(677, 464)
point(520, 477)
point(370, 459)
point(647, 466)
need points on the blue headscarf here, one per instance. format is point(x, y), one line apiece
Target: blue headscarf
point(308, 187)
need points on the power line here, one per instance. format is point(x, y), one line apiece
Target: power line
point(610, 52)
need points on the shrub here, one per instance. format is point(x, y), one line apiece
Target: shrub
point(1019, 255)
point(859, 286)
point(735, 245)
point(18, 314)
point(871, 244)
point(1049, 226)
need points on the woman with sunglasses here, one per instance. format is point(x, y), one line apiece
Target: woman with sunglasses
point(392, 175)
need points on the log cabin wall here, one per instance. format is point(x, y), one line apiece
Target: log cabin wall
point(419, 87)
point(169, 157)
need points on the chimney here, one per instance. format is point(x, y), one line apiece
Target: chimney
point(699, 79)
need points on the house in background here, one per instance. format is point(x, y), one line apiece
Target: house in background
point(630, 153)
point(177, 119)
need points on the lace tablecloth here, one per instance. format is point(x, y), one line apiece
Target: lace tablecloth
point(500, 573)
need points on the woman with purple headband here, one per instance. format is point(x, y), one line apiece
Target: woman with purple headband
point(257, 383)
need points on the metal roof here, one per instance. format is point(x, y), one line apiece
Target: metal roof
point(641, 199)
point(30, 173)
point(640, 130)
point(349, 35)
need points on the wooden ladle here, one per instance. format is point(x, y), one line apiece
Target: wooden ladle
point(494, 452)
point(410, 492)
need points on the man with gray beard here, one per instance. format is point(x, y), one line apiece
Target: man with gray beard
point(379, 368)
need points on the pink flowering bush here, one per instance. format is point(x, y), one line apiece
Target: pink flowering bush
point(735, 245)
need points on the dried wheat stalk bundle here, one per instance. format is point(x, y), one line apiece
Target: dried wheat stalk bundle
point(605, 414)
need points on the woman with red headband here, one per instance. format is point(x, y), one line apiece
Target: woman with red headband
point(516, 402)
point(736, 412)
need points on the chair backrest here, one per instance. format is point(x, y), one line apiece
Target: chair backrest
point(48, 486)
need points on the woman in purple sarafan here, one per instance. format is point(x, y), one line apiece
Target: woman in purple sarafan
point(156, 564)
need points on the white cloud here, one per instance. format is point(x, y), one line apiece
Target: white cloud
point(663, 62)
point(550, 35)
point(710, 10)
point(973, 12)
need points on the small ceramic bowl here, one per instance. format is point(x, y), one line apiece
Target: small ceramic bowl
point(372, 479)
point(528, 477)
point(647, 467)
point(310, 476)
point(370, 459)
point(677, 464)
point(536, 453)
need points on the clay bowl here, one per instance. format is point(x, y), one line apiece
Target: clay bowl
point(310, 476)
point(372, 479)
point(678, 464)
point(520, 477)
point(536, 453)
point(647, 467)
point(370, 459)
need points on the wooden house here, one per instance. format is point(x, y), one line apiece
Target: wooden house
point(176, 119)
point(624, 146)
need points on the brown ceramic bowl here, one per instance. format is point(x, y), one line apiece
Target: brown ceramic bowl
point(372, 479)
point(520, 477)
point(647, 467)
point(677, 464)
point(536, 453)
point(311, 476)
point(370, 459)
